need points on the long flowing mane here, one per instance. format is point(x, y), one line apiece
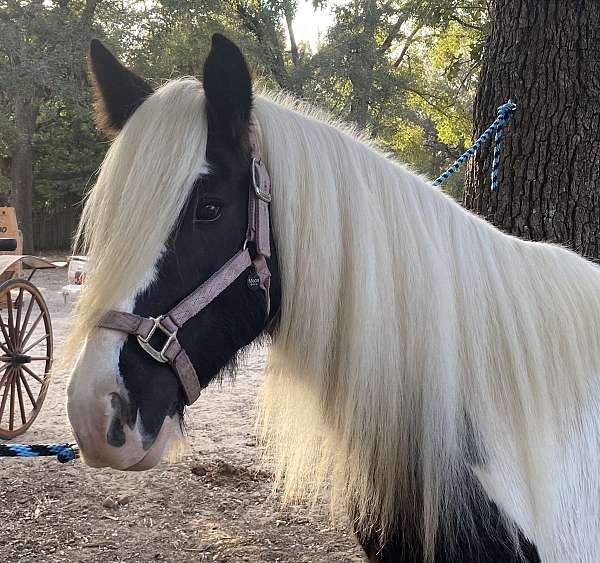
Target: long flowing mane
point(417, 343)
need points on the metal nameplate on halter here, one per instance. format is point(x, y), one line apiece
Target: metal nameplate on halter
point(158, 355)
point(260, 193)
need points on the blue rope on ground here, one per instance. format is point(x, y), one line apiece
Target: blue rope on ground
point(63, 452)
point(505, 113)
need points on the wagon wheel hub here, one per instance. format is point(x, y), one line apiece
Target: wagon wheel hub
point(16, 359)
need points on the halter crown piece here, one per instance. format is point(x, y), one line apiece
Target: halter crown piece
point(167, 324)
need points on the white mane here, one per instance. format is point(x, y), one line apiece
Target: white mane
point(416, 339)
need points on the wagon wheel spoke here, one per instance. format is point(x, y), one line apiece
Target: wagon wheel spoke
point(5, 334)
point(34, 344)
point(34, 375)
point(26, 319)
point(28, 389)
point(5, 376)
point(11, 412)
point(33, 327)
point(17, 379)
point(6, 381)
point(19, 306)
point(11, 321)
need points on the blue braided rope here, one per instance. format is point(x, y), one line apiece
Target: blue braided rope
point(505, 113)
point(63, 452)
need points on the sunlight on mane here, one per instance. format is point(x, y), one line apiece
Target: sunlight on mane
point(399, 351)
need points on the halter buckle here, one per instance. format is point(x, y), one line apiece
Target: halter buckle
point(260, 193)
point(158, 355)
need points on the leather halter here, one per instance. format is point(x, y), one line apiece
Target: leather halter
point(171, 352)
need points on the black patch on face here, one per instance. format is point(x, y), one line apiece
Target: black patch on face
point(197, 248)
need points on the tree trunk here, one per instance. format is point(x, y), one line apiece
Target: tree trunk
point(22, 168)
point(296, 77)
point(364, 57)
point(289, 20)
point(545, 55)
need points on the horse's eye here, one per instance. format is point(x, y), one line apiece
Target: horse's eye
point(208, 211)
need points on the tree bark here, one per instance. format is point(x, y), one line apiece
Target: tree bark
point(545, 55)
point(22, 168)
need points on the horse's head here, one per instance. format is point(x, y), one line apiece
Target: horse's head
point(123, 403)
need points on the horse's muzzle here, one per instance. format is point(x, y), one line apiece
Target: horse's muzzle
point(107, 438)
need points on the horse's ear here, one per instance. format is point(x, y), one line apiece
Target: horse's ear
point(228, 88)
point(118, 92)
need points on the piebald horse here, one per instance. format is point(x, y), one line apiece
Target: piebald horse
point(440, 376)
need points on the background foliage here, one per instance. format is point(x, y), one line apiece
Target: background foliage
point(404, 71)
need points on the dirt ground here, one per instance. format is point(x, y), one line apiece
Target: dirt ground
point(213, 505)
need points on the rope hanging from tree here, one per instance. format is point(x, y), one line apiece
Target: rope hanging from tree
point(505, 113)
point(63, 452)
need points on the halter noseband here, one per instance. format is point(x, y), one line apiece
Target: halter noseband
point(171, 352)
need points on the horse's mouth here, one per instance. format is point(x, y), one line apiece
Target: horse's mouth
point(132, 455)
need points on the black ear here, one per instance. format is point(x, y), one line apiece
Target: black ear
point(118, 92)
point(228, 89)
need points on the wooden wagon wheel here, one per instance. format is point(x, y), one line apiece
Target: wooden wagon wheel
point(25, 355)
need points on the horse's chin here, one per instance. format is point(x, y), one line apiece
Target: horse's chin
point(133, 455)
point(157, 450)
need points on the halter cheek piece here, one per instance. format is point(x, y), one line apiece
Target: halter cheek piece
point(171, 352)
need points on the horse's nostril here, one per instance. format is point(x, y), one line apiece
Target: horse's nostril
point(116, 434)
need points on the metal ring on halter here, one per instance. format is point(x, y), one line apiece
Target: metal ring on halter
point(260, 194)
point(158, 355)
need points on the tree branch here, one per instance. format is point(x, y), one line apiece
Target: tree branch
point(267, 38)
point(466, 24)
point(387, 43)
point(427, 98)
point(409, 41)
